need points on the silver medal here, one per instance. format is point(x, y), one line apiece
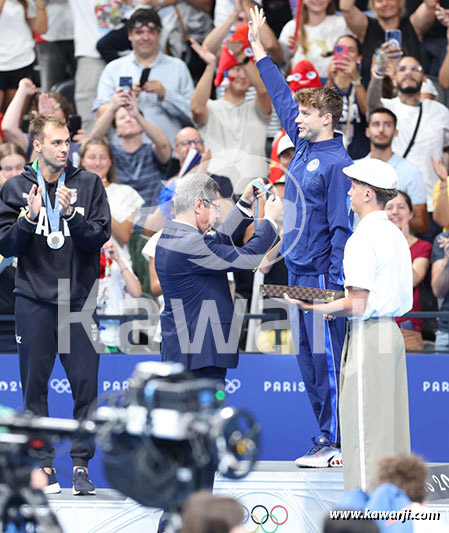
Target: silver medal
point(55, 240)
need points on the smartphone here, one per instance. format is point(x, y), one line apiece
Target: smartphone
point(395, 37)
point(74, 124)
point(340, 51)
point(144, 76)
point(126, 83)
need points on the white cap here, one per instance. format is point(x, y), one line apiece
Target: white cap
point(373, 172)
point(284, 144)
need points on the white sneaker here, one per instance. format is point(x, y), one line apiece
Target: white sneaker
point(321, 455)
point(336, 460)
point(53, 486)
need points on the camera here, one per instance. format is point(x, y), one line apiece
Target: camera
point(172, 431)
point(161, 438)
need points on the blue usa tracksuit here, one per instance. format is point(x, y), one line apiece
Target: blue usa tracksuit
point(317, 223)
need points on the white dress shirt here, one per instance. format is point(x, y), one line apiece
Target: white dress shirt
point(377, 259)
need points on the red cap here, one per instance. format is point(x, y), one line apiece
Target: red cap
point(227, 60)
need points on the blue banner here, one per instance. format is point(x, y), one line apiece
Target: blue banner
point(271, 388)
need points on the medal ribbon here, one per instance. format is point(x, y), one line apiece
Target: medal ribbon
point(53, 213)
point(261, 187)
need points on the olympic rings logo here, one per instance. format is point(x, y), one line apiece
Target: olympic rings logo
point(260, 518)
point(232, 385)
point(60, 385)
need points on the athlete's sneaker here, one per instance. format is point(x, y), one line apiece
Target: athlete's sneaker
point(320, 455)
point(53, 486)
point(82, 485)
point(336, 460)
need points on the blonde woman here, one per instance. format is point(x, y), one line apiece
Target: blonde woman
point(319, 29)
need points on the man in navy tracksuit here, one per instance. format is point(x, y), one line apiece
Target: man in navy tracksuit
point(316, 227)
point(54, 218)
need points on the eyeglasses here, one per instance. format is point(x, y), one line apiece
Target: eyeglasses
point(215, 206)
point(414, 68)
point(149, 25)
point(189, 142)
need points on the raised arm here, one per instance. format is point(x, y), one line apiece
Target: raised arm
point(13, 115)
point(214, 40)
point(423, 18)
point(106, 114)
point(356, 21)
point(201, 95)
point(263, 100)
point(277, 87)
point(132, 284)
point(443, 76)
point(39, 23)
point(267, 37)
point(388, 56)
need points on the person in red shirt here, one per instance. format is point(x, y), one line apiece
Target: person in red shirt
point(400, 212)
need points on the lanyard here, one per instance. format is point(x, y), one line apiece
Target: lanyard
point(261, 187)
point(53, 213)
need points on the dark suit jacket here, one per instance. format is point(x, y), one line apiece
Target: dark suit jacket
point(192, 269)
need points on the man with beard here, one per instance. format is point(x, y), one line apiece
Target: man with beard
point(381, 131)
point(423, 126)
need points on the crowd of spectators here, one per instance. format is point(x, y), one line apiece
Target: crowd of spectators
point(155, 89)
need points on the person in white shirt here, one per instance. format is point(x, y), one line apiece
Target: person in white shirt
point(55, 48)
point(428, 118)
point(89, 64)
point(234, 128)
point(381, 132)
point(374, 415)
point(165, 97)
point(18, 19)
point(320, 28)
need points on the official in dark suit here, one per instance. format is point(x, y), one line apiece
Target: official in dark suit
point(192, 264)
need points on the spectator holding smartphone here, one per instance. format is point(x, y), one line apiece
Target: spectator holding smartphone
point(423, 125)
point(137, 163)
point(371, 31)
point(165, 97)
point(344, 77)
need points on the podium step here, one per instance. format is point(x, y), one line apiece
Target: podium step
point(296, 500)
